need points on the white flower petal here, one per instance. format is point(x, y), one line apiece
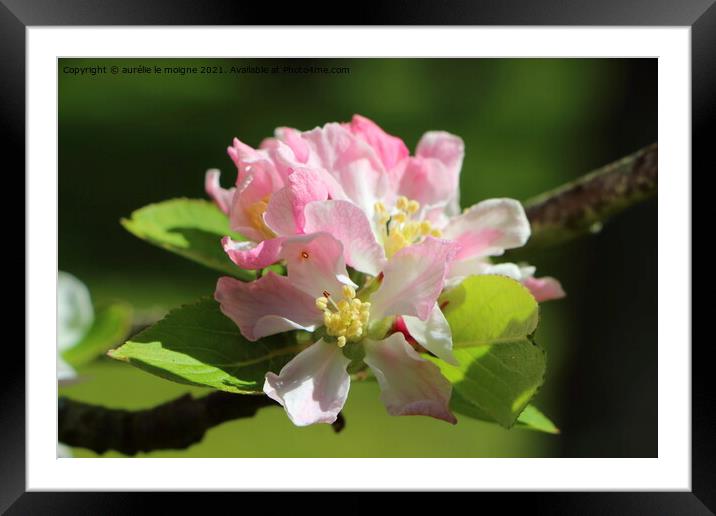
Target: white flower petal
point(413, 279)
point(488, 228)
point(409, 384)
point(433, 334)
point(65, 372)
point(312, 387)
point(74, 310)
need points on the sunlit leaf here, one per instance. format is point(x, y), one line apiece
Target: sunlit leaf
point(488, 309)
point(192, 228)
point(530, 418)
point(198, 345)
point(533, 419)
point(500, 366)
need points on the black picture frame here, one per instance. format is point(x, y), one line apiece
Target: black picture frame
point(700, 15)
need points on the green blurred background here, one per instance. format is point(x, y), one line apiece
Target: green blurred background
point(529, 125)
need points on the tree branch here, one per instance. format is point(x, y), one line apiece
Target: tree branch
point(176, 424)
point(583, 205)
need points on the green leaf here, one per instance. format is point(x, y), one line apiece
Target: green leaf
point(500, 366)
point(488, 309)
point(530, 418)
point(499, 379)
point(110, 326)
point(198, 345)
point(533, 419)
point(192, 228)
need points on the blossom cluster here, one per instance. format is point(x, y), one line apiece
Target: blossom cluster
point(370, 237)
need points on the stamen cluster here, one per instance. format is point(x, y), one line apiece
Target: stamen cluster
point(347, 319)
point(399, 229)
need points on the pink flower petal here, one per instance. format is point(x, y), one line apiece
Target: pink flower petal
point(249, 204)
point(252, 161)
point(413, 279)
point(544, 289)
point(489, 228)
point(241, 154)
point(312, 387)
point(315, 264)
point(285, 211)
point(253, 256)
point(258, 179)
point(292, 138)
point(281, 155)
point(349, 224)
point(433, 334)
point(285, 159)
point(222, 197)
point(351, 161)
point(432, 177)
point(409, 384)
point(390, 149)
point(280, 215)
point(445, 147)
point(427, 181)
point(269, 305)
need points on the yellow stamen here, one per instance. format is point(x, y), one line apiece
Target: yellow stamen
point(399, 217)
point(349, 292)
point(396, 241)
point(349, 321)
point(398, 229)
point(255, 213)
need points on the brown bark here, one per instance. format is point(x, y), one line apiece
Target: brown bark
point(176, 424)
point(582, 206)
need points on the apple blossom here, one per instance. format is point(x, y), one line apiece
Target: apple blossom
point(317, 296)
point(351, 195)
point(416, 196)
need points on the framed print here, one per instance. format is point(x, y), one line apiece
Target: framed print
point(340, 257)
